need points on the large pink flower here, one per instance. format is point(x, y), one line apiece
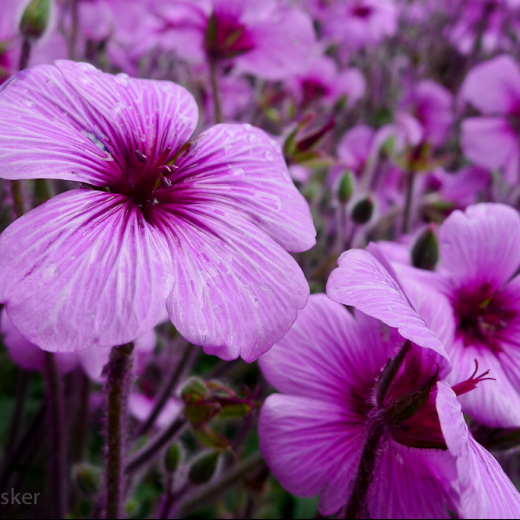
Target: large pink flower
point(491, 142)
point(201, 225)
point(385, 439)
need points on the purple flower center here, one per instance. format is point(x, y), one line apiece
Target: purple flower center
point(313, 89)
point(362, 11)
point(226, 38)
point(481, 316)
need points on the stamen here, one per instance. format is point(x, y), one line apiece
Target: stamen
point(472, 383)
point(141, 157)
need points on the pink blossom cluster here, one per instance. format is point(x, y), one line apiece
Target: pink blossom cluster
point(318, 200)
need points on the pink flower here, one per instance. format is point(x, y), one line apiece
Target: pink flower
point(202, 226)
point(479, 260)
point(266, 39)
point(360, 23)
point(491, 142)
point(385, 439)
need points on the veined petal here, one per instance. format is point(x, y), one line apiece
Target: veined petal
point(485, 490)
point(481, 245)
point(236, 291)
point(71, 121)
point(327, 354)
point(98, 275)
point(240, 167)
point(361, 281)
point(307, 444)
point(493, 87)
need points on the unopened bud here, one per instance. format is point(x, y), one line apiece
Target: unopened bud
point(87, 479)
point(425, 252)
point(172, 458)
point(35, 19)
point(194, 389)
point(346, 187)
point(203, 468)
point(362, 211)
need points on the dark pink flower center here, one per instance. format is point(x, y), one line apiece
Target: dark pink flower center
point(313, 89)
point(481, 316)
point(226, 38)
point(362, 11)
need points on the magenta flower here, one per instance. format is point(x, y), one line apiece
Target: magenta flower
point(479, 261)
point(360, 23)
point(266, 39)
point(491, 142)
point(202, 226)
point(381, 439)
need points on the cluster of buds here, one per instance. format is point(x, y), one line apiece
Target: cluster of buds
point(208, 400)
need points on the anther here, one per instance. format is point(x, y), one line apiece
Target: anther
point(141, 157)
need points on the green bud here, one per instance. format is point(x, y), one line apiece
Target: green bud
point(362, 211)
point(203, 468)
point(172, 458)
point(346, 187)
point(194, 390)
point(425, 252)
point(35, 19)
point(200, 413)
point(87, 479)
point(234, 411)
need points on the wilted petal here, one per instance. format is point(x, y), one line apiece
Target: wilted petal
point(307, 444)
point(101, 270)
point(363, 282)
point(326, 354)
point(481, 245)
point(236, 291)
point(493, 87)
point(71, 121)
point(240, 167)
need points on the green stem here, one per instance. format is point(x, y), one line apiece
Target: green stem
point(18, 198)
point(118, 373)
point(214, 87)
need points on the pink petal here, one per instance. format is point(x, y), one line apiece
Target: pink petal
point(327, 354)
point(361, 281)
point(283, 43)
point(413, 483)
point(493, 87)
point(309, 443)
point(27, 355)
point(236, 291)
point(71, 121)
point(103, 272)
point(481, 245)
point(485, 490)
point(491, 143)
point(240, 167)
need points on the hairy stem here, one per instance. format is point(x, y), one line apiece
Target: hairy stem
point(118, 373)
point(57, 437)
point(356, 506)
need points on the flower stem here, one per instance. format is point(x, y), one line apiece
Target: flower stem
point(214, 87)
point(169, 388)
point(18, 198)
point(356, 507)
point(25, 55)
point(408, 207)
point(118, 372)
point(57, 437)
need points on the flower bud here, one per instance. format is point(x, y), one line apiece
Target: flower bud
point(87, 479)
point(346, 187)
point(195, 389)
point(172, 458)
point(425, 252)
point(362, 211)
point(35, 19)
point(203, 468)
